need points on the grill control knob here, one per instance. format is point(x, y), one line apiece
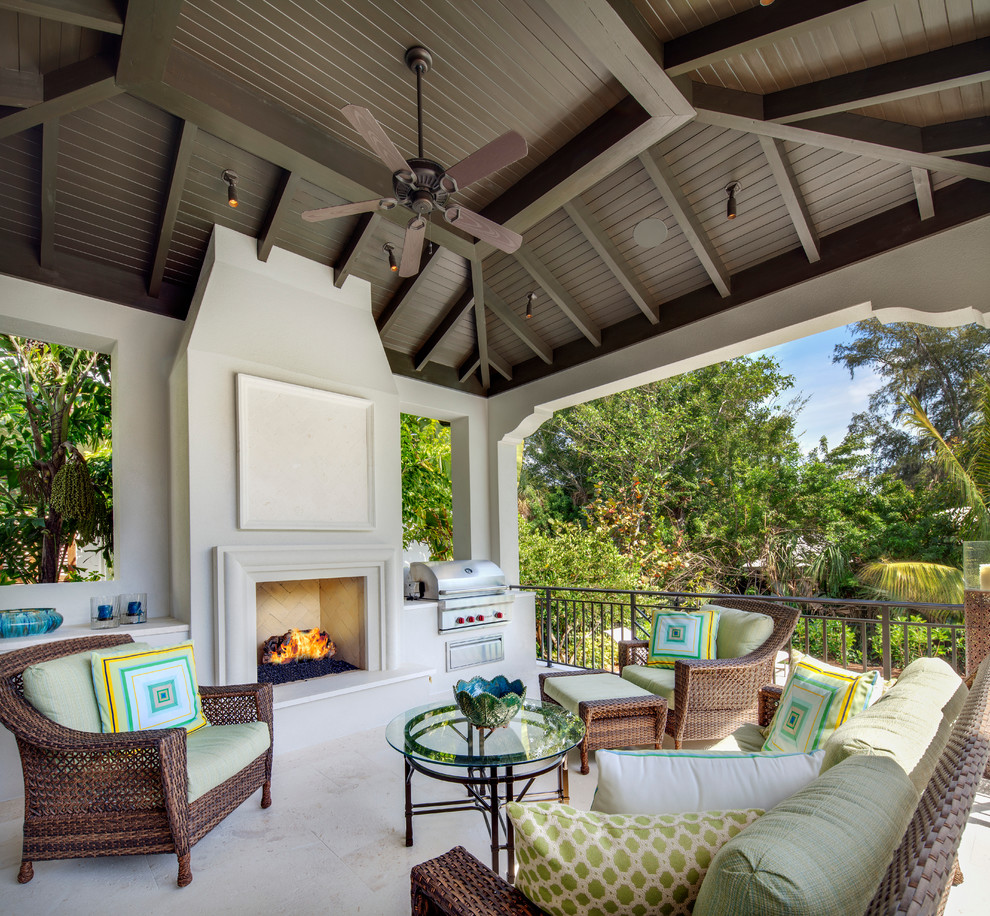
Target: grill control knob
point(459, 620)
point(481, 617)
point(470, 620)
point(498, 615)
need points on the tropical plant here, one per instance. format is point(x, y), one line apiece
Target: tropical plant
point(427, 495)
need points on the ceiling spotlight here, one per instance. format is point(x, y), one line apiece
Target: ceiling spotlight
point(230, 176)
point(389, 249)
point(765, 2)
point(650, 232)
point(529, 304)
point(730, 205)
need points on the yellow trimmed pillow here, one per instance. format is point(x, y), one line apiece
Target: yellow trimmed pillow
point(151, 688)
point(816, 700)
point(682, 635)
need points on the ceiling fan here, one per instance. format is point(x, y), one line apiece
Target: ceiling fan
point(422, 185)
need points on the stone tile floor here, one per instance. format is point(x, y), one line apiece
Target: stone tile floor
point(332, 842)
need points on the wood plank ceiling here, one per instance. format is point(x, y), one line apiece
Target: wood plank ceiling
point(849, 128)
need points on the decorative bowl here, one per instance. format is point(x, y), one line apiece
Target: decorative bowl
point(29, 621)
point(489, 704)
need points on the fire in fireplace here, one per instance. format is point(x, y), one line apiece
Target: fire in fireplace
point(299, 655)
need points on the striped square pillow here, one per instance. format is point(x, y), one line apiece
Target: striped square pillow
point(682, 635)
point(154, 688)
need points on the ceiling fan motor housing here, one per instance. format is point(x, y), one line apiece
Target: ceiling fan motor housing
point(425, 189)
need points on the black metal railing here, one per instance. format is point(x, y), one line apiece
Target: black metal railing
point(582, 627)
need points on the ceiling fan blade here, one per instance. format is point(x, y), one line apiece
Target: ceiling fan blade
point(496, 155)
point(362, 206)
point(484, 229)
point(363, 121)
point(412, 247)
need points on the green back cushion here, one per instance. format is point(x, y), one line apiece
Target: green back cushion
point(62, 689)
point(748, 739)
point(215, 754)
point(739, 632)
point(659, 681)
point(910, 723)
point(676, 635)
point(580, 863)
point(822, 851)
point(573, 690)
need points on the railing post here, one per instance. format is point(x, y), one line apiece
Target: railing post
point(885, 641)
point(633, 613)
point(546, 626)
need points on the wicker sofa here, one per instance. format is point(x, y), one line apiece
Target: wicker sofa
point(93, 794)
point(918, 874)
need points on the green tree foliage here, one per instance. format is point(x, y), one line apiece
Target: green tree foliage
point(55, 475)
point(427, 503)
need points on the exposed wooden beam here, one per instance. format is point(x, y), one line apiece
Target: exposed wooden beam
point(615, 32)
point(947, 68)
point(755, 28)
point(957, 138)
point(435, 373)
point(563, 299)
point(787, 184)
point(66, 90)
point(100, 15)
point(362, 235)
point(498, 307)
point(194, 91)
point(442, 328)
point(170, 208)
point(591, 229)
point(663, 177)
point(405, 292)
point(278, 210)
point(49, 176)
point(471, 364)
point(955, 204)
point(21, 90)
point(923, 191)
point(744, 111)
point(481, 322)
point(147, 41)
point(617, 137)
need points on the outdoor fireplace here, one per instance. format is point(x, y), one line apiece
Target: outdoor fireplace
point(299, 655)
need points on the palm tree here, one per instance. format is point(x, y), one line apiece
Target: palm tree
point(967, 468)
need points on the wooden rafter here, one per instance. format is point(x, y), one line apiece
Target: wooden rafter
point(663, 177)
point(100, 15)
point(787, 184)
point(481, 322)
point(443, 327)
point(756, 28)
point(923, 191)
point(170, 209)
point(956, 138)
point(555, 290)
point(592, 230)
point(67, 90)
point(362, 235)
point(498, 307)
point(49, 177)
point(147, 41)
point(405, 292)
point(278, 210)
point(472, 363)
point(946, 68)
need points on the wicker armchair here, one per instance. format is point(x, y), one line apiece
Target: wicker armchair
point(89, 794)
point(712, 698)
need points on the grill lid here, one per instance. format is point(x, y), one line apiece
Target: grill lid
point(450, 578)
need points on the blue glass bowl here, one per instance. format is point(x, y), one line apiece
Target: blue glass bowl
point(29, 621)
point(489, 704)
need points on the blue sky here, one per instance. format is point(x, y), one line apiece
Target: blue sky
point(832, 396)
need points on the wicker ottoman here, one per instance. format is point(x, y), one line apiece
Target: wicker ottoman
point(626, 716)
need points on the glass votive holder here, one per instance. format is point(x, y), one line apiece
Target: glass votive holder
point(103, 612)
point(133, 607)
point(976, 566)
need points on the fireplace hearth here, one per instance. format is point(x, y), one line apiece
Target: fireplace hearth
point(302, 671)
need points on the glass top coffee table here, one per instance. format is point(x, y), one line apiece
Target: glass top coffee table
point(494, 766)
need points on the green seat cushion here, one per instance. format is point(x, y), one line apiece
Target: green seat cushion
point(659, 681)
point(62, 689)
point(739, 632)
point(581, 863)
point(747, 739)
point(910, 723)
point(574, 689)
point(215, 754)
point(822, 851)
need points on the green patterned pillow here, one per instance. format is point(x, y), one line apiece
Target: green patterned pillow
point(816, 700)
point(578, 863)
point(155, 688)
point(681, 635)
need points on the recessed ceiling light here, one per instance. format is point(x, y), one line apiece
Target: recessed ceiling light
point(650, 232)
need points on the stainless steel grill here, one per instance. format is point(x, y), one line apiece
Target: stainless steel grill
point(469, 593)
